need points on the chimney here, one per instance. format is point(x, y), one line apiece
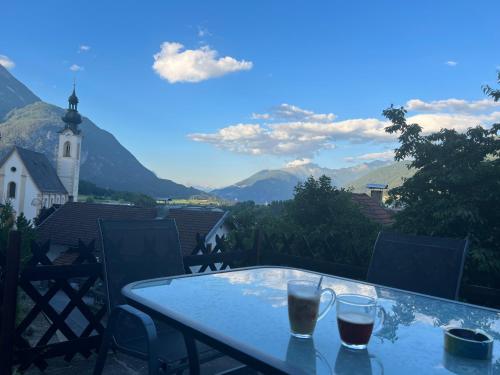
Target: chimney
point(377, 191)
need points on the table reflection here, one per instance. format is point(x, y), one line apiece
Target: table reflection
point(357, 362)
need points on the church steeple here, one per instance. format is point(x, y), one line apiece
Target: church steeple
point(68, 153)
point(72, 118)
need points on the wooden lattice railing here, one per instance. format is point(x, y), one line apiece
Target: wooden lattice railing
point(31, 290)
point(37, 282)
point(219, 257)
point(40, 285)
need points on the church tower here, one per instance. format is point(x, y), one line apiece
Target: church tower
point(69, 150)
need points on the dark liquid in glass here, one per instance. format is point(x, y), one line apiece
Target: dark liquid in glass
point(355, 328)
point(303, 313)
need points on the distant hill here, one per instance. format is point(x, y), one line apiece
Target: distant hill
point(31, 123)
point(13, 94)
point(278, 184)
point(275, 187)
point(390, 174)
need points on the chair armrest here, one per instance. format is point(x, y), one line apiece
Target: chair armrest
point(137, 314)
point(144, 321)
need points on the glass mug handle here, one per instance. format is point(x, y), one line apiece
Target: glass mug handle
point(330, 304)
point(381, 318)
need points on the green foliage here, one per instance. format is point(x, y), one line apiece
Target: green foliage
point(138, 199)
point(320, 221)
point(493, 93)
point(455, 190)
point(27, 230)
point(7, 223)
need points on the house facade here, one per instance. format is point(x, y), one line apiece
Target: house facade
point(29, 182)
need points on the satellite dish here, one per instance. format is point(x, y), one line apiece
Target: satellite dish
point(36, 202)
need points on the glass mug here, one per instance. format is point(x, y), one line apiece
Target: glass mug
point(356, 315)
point(303, 306)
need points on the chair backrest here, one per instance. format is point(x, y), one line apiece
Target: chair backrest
point(137, 250)
point(423, 264)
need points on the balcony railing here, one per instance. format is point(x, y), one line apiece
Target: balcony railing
point(50, 310)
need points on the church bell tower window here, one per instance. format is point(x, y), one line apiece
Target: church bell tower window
point(67, 150)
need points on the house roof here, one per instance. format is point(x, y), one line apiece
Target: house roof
point(41, 171)
point(78, 220)
point(372, 209)
point(192, 221)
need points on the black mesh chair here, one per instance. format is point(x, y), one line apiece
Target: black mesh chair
point(136, 250)
point(422, 264)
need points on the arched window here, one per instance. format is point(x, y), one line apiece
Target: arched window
point(11, 190)
point(67, 149)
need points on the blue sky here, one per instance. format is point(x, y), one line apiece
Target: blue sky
point(239, 86)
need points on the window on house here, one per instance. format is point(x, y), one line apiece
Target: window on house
point(78, 151)
point(11, 190)
point(67, 150)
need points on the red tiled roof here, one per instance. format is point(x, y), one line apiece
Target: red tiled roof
point(192, 221)
point(78, 220)
point(372, 209)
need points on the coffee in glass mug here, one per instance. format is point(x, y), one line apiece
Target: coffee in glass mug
point(356, 319)
point(304, 298)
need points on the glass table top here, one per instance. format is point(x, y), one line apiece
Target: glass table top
point(249, 306)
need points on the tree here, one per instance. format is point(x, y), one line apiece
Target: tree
point(8, 222)
point(320, 221)
point(27, 230)
point(455, 191)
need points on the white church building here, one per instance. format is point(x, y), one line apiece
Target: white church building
point(29, 181)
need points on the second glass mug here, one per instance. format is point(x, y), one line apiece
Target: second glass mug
point(303, 306)
point(356, 319)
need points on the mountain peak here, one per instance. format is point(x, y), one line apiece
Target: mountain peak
point(13, 94)
point(34, 124)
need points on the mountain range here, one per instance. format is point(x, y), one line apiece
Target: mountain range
point(278, 184)
point(27, 121)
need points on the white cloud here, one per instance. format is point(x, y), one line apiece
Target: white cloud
point(261, 116)
point(293, 113)
point(294, 132)
point(451, 105)
point(203, 31)
point(291, 131)
point(298, 162)
point(6, 62)
point(451, 63)
point(176, 64)
point(83, 48)
point(384, 155)
point(76, 68)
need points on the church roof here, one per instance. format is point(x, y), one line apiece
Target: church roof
point(41, 171)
